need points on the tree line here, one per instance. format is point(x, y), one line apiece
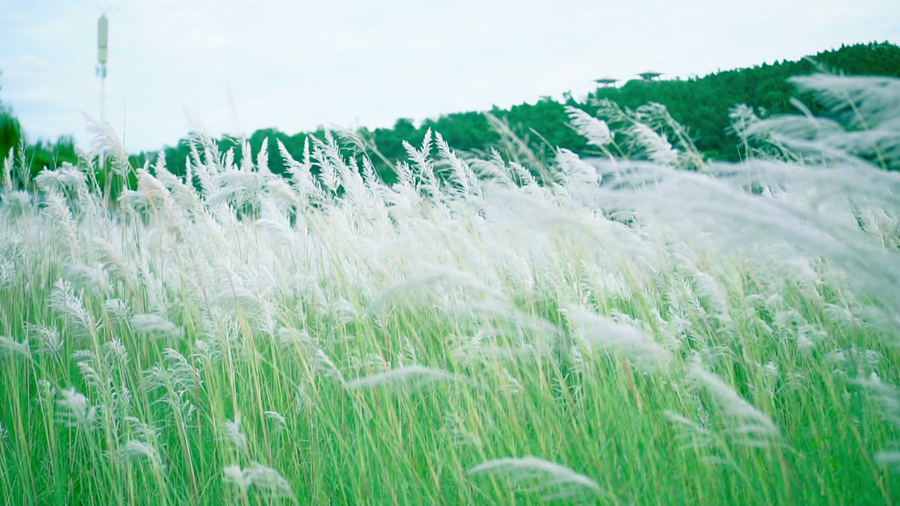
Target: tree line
point(700, 104)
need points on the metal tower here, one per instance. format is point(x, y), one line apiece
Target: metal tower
point(102, 41)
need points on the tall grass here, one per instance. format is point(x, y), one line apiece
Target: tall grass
point(645, 327)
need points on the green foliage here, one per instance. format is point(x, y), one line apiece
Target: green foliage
point(700, 104)
point(10, 131)
point(40, 154)
point(43, 153)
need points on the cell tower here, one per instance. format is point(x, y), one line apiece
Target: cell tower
point(102, 41)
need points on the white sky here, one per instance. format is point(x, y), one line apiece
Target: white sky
point(294, 65)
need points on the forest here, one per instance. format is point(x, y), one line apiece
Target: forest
point(701, 105)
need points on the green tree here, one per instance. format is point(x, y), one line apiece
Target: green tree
point(10, 130)
point(700, 104)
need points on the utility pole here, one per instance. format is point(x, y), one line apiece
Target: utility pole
point(102, 41)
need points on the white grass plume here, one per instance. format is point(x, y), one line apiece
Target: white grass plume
point(7, 274)
point(137, 451)
point(469, 353)
point(886, 395)
point(536, 475)
point(413, 284)
point(276, 225)
point(655, 146)
point(502, 313)
point(76, 411)
point(596, 131)
point(7, 170)
point(605, 333)
point(64, 300)
point(460, 171)
point(92, 279)
point(57, 210)
point(61, 180)
point(17, 203)
point(97, 380)
point(300, 172)
point(422, 162)
point(278, 419)
point(48, 339)
point(414, 376)
point(692, 433)
point(265, 480)
point(753, 425)
point(889, 458)
point(175, 373)
point(888, 398)
point(866, 99)
point(320, 359)
point(118, 310)
point(233, 432)
point(235, 296)
point(15, 348)
point(155, 326)
point(105, 139)
point(111, 260)
point(297, 339)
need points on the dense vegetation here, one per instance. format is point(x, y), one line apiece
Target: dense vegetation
point(656, 331)
point(702, 105)
point(36, 155)
point(10, 130)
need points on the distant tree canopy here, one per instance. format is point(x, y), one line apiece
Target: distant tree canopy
point(700, 104)
point(39, 154)
point(703, 104)
point(10, 130)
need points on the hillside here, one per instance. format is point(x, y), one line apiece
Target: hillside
point(700, 104)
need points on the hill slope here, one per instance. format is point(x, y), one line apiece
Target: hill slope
point(700, 104)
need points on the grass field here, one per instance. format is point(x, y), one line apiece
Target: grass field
point(645, 327)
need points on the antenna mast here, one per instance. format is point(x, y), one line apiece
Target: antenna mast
point(102, 41)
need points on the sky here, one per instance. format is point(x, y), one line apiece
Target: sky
point(234, 67)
